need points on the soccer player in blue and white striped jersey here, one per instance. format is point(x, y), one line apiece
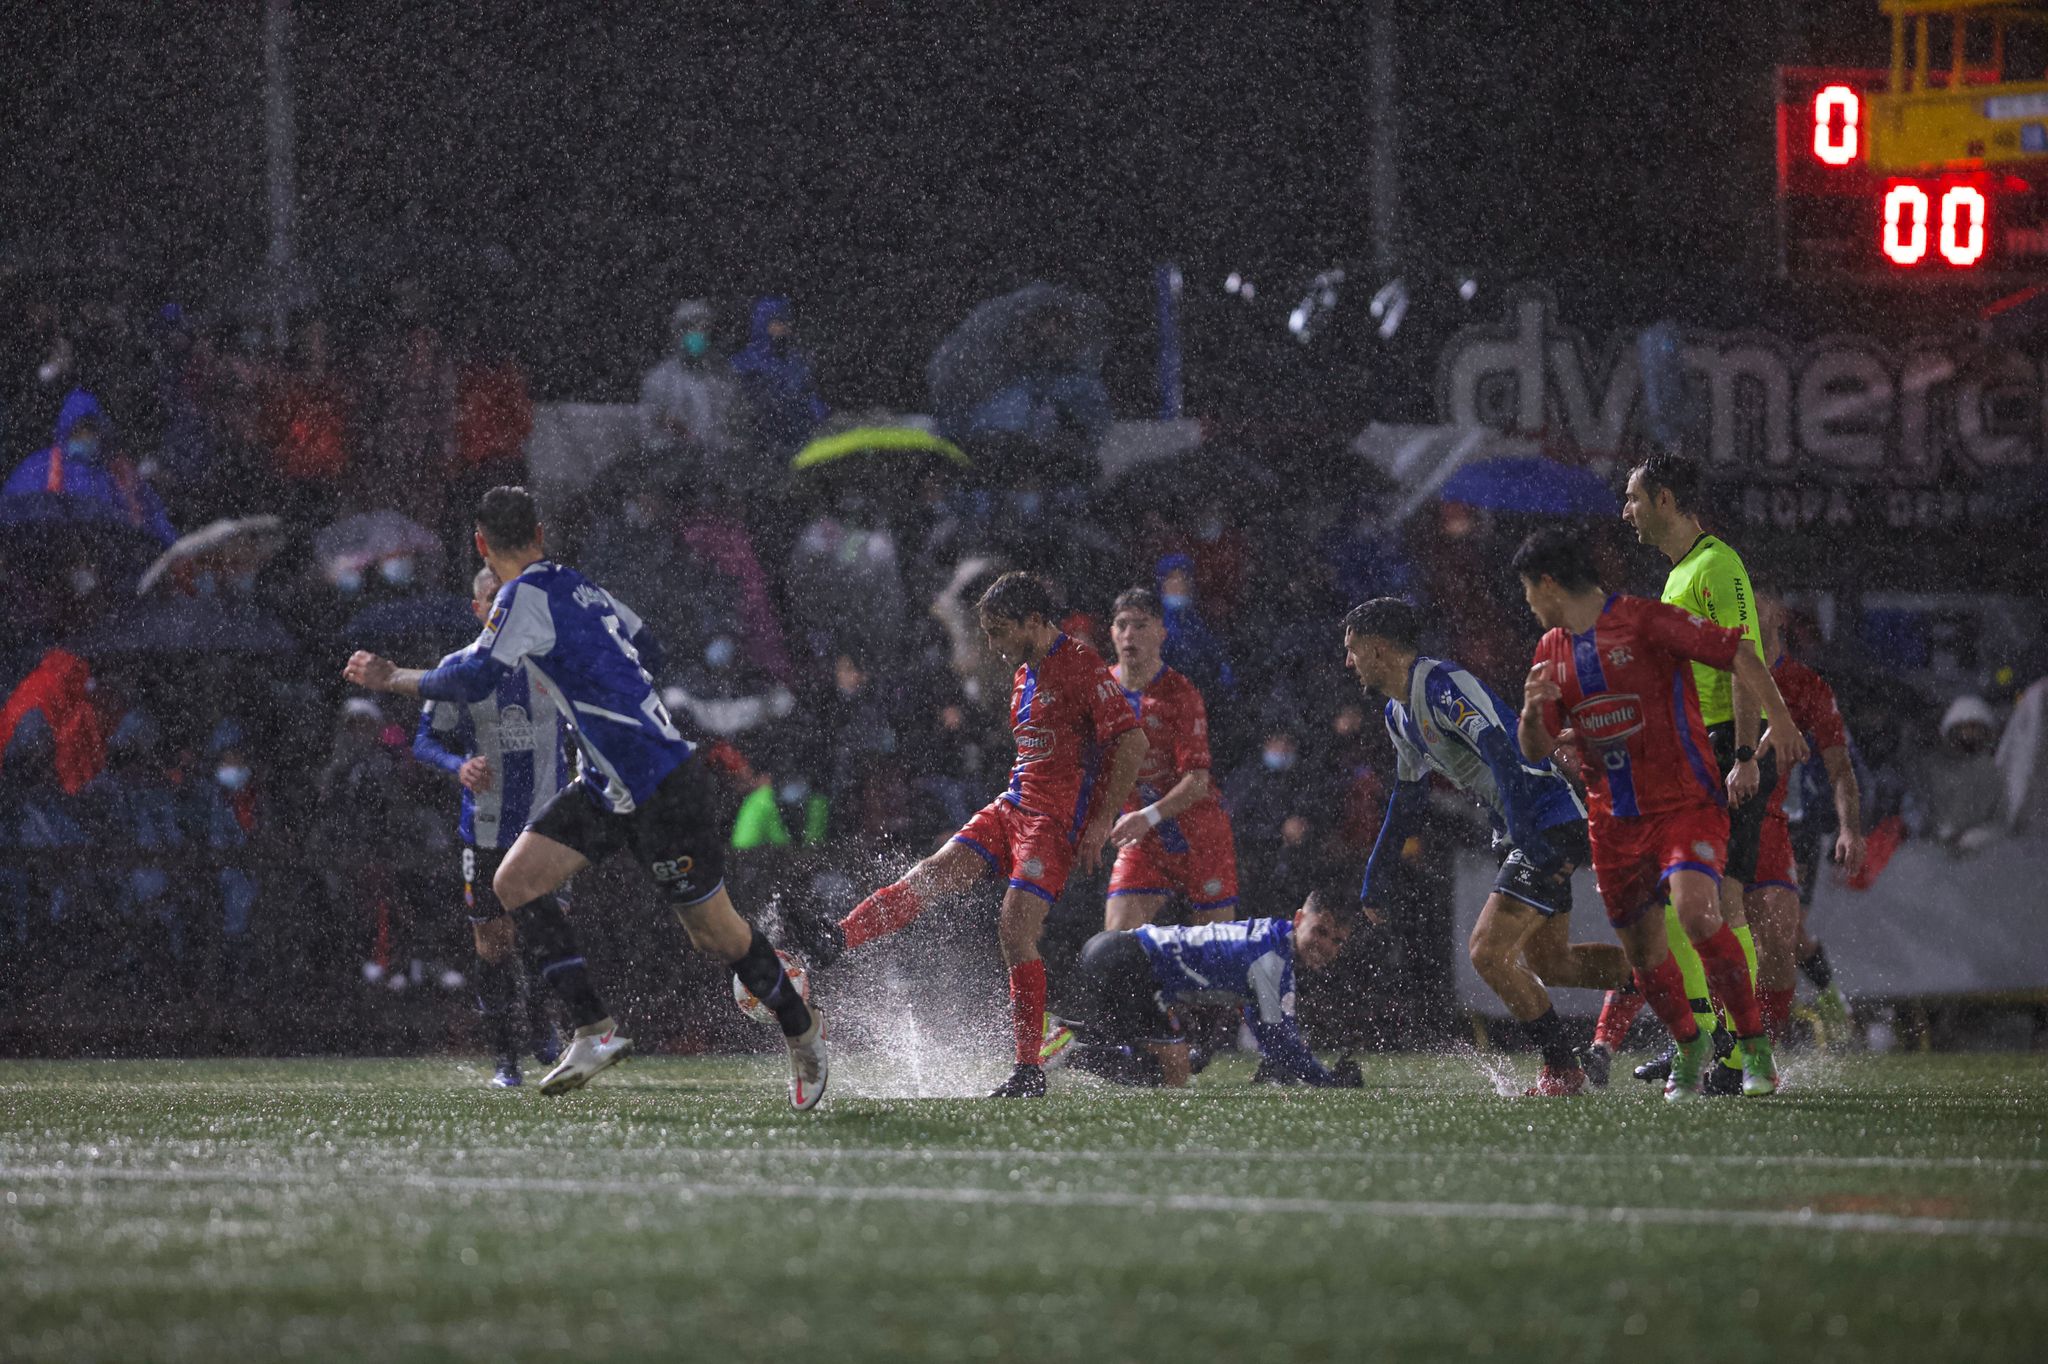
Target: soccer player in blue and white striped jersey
point(638, 789)
point(1444, 720)
point(509, 752)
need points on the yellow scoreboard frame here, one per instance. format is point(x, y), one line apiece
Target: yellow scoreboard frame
point(1934, 170)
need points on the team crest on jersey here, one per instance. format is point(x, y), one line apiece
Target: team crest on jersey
point(1619, 656)
point(1608, 718)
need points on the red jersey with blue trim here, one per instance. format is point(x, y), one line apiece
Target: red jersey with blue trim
point(1063, 713)
point(1628, 693)
point(1177, 729)
point(1812, 703)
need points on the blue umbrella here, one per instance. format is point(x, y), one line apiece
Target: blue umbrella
point(1530, 484)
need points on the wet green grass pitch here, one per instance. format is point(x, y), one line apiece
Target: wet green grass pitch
point(1890, 1208)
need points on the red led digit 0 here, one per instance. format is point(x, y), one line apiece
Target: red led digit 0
point(1905, 224)
point(1836, 146)
point(1962, 225)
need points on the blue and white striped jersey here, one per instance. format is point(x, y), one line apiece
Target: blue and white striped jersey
point(1249, 961)
point(593, 657)
point(1453, 724)
point(523, 733)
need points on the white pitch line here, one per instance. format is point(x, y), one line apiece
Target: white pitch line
point(688, 1190)
point(1026, 1156)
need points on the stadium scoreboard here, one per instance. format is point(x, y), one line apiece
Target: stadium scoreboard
point(1935, 169)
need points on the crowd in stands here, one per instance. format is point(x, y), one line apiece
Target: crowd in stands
point(184, 779)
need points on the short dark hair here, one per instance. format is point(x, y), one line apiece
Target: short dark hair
point(508, 517)
point(1018, 597)
point(1386, 618)
point(1138, 599)
point(1668, 471)
point(1558, 554)
point(1340, 902)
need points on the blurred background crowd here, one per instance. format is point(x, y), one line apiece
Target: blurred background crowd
point(206, 843)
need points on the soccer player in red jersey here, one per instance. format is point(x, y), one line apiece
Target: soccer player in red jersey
point(1775, 906)
point(1612, 675)
point(1079, 749)
point(1174, 837)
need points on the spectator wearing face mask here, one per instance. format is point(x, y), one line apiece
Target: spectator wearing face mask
point(80, 462)
point(687, 400)
point(1192, 648)
point(1276, 810)
point(1962, 791)
point(775, 379)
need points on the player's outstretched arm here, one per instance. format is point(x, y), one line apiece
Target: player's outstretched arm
point(1783, 737)
point(1403, 808)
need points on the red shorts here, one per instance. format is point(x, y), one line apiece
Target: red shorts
point(1193, 857)
point(1774, 854)
point(1030, 850)
point(1633, 858)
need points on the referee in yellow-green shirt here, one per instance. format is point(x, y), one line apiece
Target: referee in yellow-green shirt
point(1709, 580)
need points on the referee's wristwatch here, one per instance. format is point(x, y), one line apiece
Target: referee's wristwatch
point(1745, 754)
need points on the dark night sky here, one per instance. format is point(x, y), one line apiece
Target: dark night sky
point(890, 167)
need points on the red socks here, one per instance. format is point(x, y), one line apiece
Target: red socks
point(881, 914)
point(1728, 975)
point(1027, 1009)
point(1617, 1015)
point(1664, 988)
point(1776, 1006)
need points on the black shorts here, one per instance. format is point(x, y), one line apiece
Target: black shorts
point(1545, 886)
point(675, 835)
point(1745, 821)
point(1119, 1002)
point(479, 870)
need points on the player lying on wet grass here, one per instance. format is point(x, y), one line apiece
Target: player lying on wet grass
point(1131, 983)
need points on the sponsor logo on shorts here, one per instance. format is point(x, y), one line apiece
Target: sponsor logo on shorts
point(674, 869)
point(1212, 887)
point(1032, 866)
point(1705, 852)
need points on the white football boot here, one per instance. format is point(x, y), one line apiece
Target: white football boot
point(592, 1049)
point(809, 1066)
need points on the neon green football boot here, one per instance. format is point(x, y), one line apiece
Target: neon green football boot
point(1683, 1084)
point(1759, 1068)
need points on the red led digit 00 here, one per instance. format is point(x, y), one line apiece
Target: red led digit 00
point(1905, 224)
point(1836, 112)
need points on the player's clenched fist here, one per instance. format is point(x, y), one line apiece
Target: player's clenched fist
point(366, 669)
